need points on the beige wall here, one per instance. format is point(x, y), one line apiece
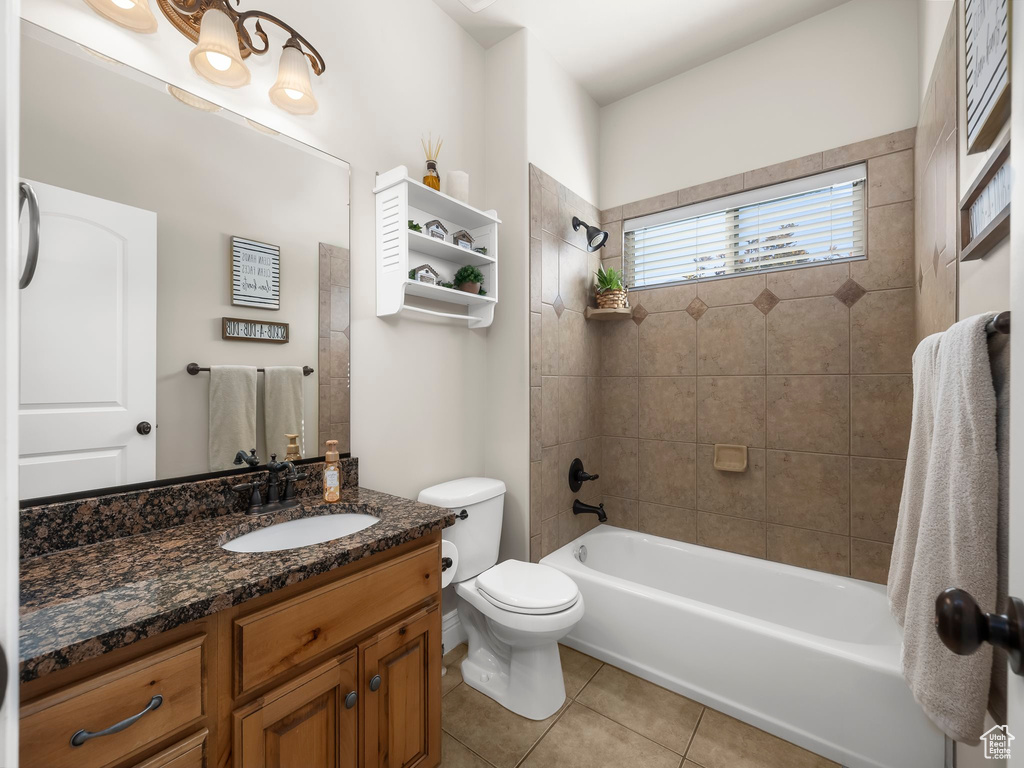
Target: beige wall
point(844, 75)
point(984, 284)
point(207, 178)
point(809, 368)
point(376, 98)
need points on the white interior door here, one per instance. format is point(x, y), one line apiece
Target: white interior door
point(88, 347)
point(10, 269)
point(1015, 684)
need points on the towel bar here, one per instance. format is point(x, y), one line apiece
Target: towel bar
point(999, 324)
point(194, 369)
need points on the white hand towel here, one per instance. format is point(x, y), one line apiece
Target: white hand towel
point(282, 407)
point(946, 535)
point(232, 413)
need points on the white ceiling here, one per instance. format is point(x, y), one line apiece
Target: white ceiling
point(617, 47)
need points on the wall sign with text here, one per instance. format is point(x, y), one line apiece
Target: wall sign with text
point(255, 274)
point(238, 329)
point(987, 58)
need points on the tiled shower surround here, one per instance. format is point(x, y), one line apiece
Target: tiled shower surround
point(809, 368)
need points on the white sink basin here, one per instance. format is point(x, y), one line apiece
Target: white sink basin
point(300, 533)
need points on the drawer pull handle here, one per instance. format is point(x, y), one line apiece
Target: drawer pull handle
point(375, 683)
point(350, 700)
point(83, 735)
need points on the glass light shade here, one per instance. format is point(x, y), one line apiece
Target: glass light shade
point(216, 56)
point(293, 92)
point(131, 14)
point(192, 100)
point(261, 128)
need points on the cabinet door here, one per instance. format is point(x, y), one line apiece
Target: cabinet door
point(402, 694)
point(310, 722)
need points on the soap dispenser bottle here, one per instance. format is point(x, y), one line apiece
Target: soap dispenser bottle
point(332, 473)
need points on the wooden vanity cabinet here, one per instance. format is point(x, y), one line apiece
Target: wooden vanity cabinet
point(342, 670)
point(402, 685)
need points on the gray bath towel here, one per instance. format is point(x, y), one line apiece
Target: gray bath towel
point(947, 532)
point(999, 354)
point(232, 413)
point(282, 406)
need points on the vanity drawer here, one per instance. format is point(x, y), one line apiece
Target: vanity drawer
point(276, 639)
point(49, 724)
point(187, 753)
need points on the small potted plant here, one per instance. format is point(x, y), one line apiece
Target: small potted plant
point(469, 279)
point(609, 289)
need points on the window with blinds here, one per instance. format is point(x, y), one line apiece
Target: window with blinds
point(801, 223)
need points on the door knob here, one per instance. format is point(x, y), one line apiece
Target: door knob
point(963, 627)
point(375, 683)
point(143, 427)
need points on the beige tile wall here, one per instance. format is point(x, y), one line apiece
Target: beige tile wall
point(565, 362)
point(333, 368)
point(936, 186)
point(809, 368)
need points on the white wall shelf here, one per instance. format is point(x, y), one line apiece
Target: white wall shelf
point(400, 199)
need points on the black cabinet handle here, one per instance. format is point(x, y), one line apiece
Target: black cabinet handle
point(143, 427)
point(83, 735)
point(963, 627)
point(27, 194)
point(375, 683)
point(351, 699)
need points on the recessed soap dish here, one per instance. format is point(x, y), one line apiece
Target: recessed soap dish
point(731, 458)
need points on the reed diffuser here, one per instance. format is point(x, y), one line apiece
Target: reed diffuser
point(432, 179)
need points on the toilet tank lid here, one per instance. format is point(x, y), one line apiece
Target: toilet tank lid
point(462, 492)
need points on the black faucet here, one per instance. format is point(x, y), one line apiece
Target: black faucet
point(578, 476)
point(274, 501)
point(579, 508)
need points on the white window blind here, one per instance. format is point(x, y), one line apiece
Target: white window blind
point(798, 223)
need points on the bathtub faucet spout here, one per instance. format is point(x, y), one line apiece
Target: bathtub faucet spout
point(579, 508)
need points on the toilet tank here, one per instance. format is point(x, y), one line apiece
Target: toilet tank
point(477, 535)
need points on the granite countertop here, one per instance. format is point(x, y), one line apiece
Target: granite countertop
point(82, 602)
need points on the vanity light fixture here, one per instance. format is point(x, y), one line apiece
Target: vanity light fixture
point(223, 43)
point(135, 15)
point(293, 92)
point(217, 56)
point(596, 238)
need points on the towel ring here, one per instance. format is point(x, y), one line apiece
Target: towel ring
point(963, 627)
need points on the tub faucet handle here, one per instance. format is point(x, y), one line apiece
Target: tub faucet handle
point(578, 475)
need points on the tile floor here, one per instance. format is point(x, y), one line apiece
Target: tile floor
point(610, 719)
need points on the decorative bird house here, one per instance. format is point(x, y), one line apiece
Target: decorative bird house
point(435, 228)
point(426, 274)
point(463, 239)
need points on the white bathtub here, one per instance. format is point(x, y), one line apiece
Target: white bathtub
point(810, 657)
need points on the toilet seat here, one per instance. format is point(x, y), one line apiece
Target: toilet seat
point(527, 588)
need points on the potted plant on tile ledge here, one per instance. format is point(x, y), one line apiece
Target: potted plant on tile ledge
point(610, 291)
point(470, 280)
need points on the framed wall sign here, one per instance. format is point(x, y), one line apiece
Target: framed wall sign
point(239, 329)
point(987, 58)
point(255, 274)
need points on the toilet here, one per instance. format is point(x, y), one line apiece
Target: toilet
point(514, 613)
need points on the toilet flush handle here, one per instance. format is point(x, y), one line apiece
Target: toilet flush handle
point(462, 515)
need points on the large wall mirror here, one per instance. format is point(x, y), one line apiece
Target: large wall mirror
point(171, 232)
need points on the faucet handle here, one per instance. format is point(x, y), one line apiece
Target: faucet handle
point(255, 498)
point(578, 476)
